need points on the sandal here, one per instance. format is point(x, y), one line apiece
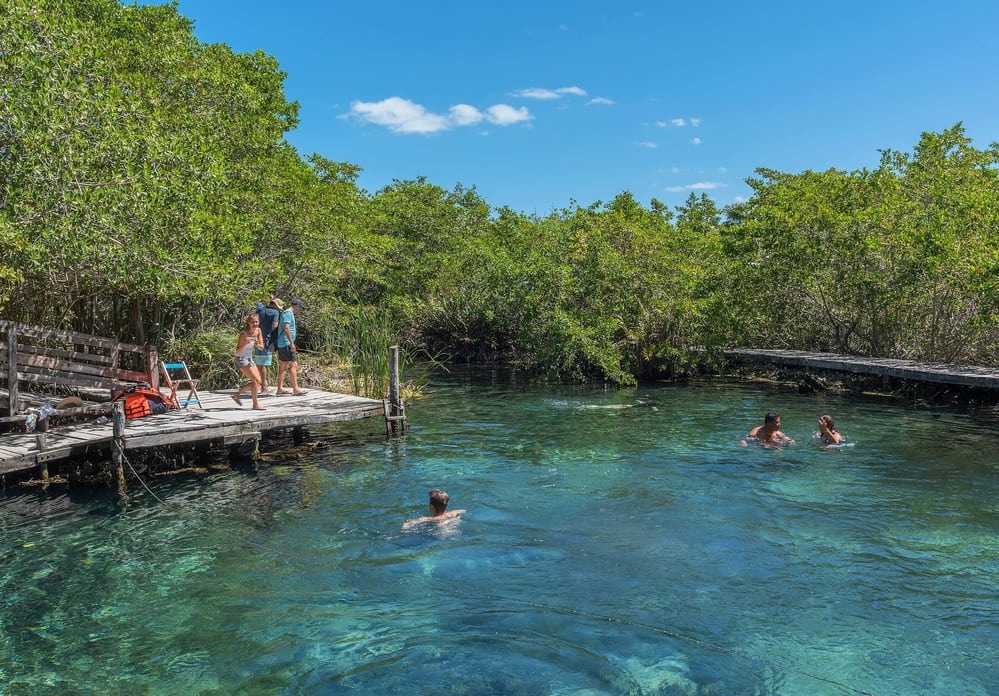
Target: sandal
point(235, 397)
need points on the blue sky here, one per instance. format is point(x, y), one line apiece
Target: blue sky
point(537, 104)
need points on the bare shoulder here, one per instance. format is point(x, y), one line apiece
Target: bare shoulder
point(412, 524)
point(419, 521)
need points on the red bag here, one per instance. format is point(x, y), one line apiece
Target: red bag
point(144, 401)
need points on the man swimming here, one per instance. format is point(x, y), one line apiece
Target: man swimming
point(438, 511)
point(769, 433)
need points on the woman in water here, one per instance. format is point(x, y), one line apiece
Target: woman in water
point(828, 435)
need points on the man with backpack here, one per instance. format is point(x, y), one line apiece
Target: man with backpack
point(287, 350)
point(269, 316)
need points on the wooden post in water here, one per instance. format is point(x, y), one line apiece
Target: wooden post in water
point(12, 395)
point(41, 444)
point(118, 446)
point(396, 418)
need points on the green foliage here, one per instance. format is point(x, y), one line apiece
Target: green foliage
point(147, 192)
point(209, 356)
point(897, 262)
point(360, 336)
point(129, 153)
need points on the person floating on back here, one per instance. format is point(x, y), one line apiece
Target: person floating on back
point(769, 433)
point(438, 511)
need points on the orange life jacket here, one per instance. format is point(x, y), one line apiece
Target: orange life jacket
point(144, 401)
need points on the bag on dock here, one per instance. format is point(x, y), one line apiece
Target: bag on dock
point(144, 401)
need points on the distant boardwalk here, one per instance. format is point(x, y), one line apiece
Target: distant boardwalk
point(220, 421)
point(938, 373)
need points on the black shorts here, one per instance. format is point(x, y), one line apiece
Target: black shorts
point(286, 355)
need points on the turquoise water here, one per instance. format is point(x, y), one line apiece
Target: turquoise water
point(616, 542)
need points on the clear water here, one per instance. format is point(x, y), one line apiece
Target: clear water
point(616, 542)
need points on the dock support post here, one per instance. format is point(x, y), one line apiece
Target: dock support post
point(12, 395)
point(41, 444)
point(118, 447)
point(396, 419)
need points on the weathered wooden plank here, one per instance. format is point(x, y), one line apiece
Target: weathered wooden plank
point(43, 355)
point(74, 337)
point(220, 421)
point(81, 380)
point(42, 364)
point(939, 373)
point(242, 438)
point(12, 392)
point(17, 464)
point(24, 352)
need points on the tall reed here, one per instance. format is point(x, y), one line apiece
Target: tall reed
point(356, 340)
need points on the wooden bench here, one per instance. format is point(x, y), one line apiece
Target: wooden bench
point(35, 355)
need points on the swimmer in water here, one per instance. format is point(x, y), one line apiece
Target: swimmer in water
point(438, 511)
point(827, 431)
point(769, 433)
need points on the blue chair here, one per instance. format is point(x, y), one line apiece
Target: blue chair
point(176, 374)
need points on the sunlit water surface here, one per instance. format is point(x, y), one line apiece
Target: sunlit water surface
point(616, 542)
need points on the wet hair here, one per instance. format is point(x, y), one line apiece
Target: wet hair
point(830, 423)
point(771, 417)
point(438, 501)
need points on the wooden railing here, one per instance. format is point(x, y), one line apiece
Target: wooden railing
point(39, 355)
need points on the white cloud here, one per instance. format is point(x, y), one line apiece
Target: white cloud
point(464, 115)
point(544, 93)
point(505, 115)
point(680, 122)
point(403, 116)
point(399, 116)
point(648, 143)
point(699, 186)
point(535, 93)
point(695, 141)
point(601, 100)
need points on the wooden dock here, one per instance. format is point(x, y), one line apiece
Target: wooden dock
point(221, 421)
point(968, 376)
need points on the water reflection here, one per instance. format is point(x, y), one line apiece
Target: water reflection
point(615, 542)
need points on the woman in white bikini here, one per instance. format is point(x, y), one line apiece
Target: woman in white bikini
point(249, 338)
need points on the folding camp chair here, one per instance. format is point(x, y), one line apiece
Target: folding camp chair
point(175, 374)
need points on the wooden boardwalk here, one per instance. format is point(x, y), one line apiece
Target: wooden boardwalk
point(939, 373)
point(220, 421)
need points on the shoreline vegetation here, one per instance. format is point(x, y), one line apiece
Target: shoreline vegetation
point(149, 194)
